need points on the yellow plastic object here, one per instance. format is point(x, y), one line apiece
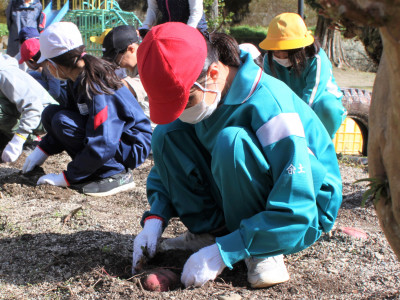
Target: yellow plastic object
point(348, 139)
point(100, 39)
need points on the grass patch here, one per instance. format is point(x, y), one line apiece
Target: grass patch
point(3, 29)
point(377, 188)
point(248, 34)
point(253, 34)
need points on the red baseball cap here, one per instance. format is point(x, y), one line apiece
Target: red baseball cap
point(29, 49)
point(170, 59)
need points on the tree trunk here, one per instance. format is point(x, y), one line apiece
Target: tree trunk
point(372, 42)
point(331, 41)
point(384, 135)
point(214, 10)
point(321, 30)
point(384, 114)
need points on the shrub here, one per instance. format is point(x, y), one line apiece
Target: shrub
point(221, 21)
point(248, 34)
point(253, 35)
point(3, 29)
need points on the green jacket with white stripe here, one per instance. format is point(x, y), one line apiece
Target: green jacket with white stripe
point(307, 187)
point(315, 81)
point(305, 190)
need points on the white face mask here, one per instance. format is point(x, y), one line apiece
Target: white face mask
point(57, 74)
point(201, 110)
point(282, 61)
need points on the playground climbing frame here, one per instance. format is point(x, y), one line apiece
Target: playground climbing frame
point(92, 17)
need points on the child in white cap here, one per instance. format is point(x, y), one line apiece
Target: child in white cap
point(102, 127)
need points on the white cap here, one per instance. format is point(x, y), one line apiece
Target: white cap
point(58, 39)
point(250, 48)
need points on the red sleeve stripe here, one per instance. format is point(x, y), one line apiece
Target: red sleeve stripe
point(101, 117)
point(65, 178)
point(154, 217)
point(43, 20)
point(43, 151)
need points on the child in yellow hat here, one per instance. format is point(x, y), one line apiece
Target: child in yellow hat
point(296, 58)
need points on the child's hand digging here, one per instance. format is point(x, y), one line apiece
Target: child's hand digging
point(145, 243)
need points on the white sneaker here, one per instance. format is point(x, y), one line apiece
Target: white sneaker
point(265, 272)
point(187, 241)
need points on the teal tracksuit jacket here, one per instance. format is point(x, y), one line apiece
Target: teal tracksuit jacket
point(317, 87)
point(262, 166)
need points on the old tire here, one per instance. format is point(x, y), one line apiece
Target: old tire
point(357, 103)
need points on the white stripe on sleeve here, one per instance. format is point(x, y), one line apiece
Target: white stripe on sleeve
point(333, 88)
point(196, 12)
point(280, 127)
point(317, 76)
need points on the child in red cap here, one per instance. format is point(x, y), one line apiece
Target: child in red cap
point(23, 35)
point(30, 54)
point(242, 161)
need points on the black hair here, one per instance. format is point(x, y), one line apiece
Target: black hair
point(98, 75)
point(297, 57)
point(259, 61)
point(36, 57)
point(221, 47)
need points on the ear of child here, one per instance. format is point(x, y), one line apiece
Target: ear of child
point(160, 280)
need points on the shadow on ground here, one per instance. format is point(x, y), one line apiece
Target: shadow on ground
point(49, 257)
point(34, 258)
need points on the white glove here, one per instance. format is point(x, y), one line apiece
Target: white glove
point(13, 149)
point(53, 179)
point(36, 158)
point(147, 238)
point(202, 266)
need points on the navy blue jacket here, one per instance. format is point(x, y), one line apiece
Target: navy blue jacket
point(178, 11)
point(116, 127)
point(19, 16)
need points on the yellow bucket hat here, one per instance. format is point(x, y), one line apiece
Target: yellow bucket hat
point(100, 39)
point(285, 32)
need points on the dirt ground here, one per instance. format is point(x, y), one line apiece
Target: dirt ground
point(58, 244)
point(355, 79)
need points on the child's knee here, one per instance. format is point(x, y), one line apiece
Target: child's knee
point(47, 115)
point(61, 122)
point(329, 108)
